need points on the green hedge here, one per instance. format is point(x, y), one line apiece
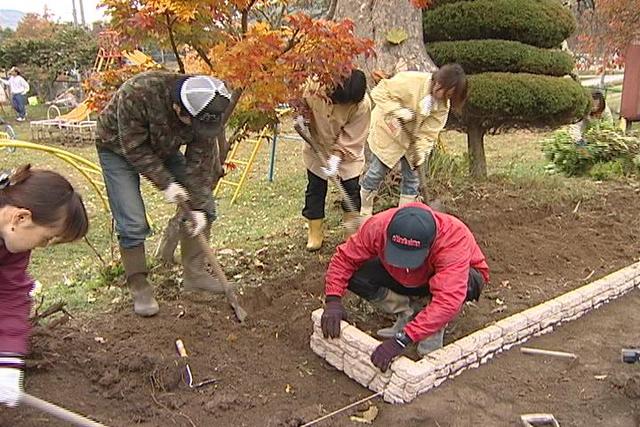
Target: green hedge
point(541, 23)
point(480, 56)
point(524, 100)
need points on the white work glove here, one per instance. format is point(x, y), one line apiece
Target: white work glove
point(175, 193)
point(403, 114)
point(426, 105)
point(332, 166)
point(10, 386)
point(196, 221)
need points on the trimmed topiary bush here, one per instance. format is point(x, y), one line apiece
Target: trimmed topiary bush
point(480, 56)
point(515, 82)
point(499, 100)
point(541, 23)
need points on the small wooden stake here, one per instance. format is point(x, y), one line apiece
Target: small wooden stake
point(539, 352)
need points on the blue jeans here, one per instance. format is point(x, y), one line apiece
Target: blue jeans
point(377, 171)
point(19, 103)
point(125, 200)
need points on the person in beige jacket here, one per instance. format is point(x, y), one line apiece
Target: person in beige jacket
point(339, 124)
point(410, 106)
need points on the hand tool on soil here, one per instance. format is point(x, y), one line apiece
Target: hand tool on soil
point(539, 352)
point(353, 405)
point(539, 420)
point(229, 290)
point(630, 355)
point(182, 351)
point(303, 131)
point(57, 411)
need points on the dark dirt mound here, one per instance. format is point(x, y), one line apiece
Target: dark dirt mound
point(124, 370)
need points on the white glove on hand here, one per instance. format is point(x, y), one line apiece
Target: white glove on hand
point(403, 114)
point(426, 105)
point(10, 386)
point(332, 166)
point(196, 222)
point(175, 193)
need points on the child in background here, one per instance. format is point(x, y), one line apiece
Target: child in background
point(599, 111)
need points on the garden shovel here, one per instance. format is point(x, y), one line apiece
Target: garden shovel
point(182, 351)
point(303, 131)
point(421, 169)
point(229, 290)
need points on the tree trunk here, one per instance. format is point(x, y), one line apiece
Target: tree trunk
point(475, 143)
point(374, 19)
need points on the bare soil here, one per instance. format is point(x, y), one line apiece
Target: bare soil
point(123, 370)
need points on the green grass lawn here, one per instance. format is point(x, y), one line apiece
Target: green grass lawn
point(264, 211)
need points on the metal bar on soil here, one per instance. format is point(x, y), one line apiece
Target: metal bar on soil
point(58, 412)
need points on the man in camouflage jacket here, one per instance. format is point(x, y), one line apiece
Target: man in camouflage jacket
point(140, 132)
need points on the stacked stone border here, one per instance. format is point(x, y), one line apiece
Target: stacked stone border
point(407, 379)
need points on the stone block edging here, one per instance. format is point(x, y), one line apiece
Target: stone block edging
point(406, 379)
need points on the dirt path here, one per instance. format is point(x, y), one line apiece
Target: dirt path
point(122, 369)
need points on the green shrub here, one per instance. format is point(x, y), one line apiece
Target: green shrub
point(607, 153)
point(524, 100)
point(541, 23)
point(481, 56)
point(607, 170)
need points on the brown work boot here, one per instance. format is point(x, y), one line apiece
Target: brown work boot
point(366, 200)
point(135, 269)
point(431, 343)
point(397, 304)
point(316, 235)
point(407, 198)
point(166, 249)
point(195, 275)
point(350, 222)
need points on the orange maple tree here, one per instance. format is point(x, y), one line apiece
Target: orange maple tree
point(262, 49)
point(607, 26)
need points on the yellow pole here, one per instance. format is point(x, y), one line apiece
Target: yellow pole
point(67, 157)
point(245, 172)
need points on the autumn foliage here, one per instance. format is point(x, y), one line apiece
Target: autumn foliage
point(263, 49)
point(607, 26)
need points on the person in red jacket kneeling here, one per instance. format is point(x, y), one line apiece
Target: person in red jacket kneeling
point(397, 258)
point(38, 208)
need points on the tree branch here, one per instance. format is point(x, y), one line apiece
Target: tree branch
point(245, 16)
point(203, 55)
point(331, 13)
point(235, 97)
point(174, 47)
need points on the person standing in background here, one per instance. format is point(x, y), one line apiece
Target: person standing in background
point(19, 88)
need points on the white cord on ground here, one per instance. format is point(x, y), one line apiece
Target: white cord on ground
point(316, 421)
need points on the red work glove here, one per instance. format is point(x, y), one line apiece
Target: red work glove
point(333, 313)
point(384, 354)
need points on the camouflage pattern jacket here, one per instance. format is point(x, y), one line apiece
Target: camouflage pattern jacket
point(140, 124)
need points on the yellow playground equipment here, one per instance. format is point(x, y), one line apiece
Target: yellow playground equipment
point(74, 126)
point(89, 170)
point(244, 165)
